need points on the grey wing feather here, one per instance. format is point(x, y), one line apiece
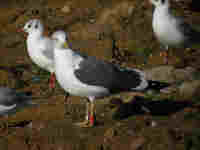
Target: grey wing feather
point(49, 54)
point(47, 49)
point(95, 72)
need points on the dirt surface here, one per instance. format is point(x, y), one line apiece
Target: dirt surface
point(118, 31)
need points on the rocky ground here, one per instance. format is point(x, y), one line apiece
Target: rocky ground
point(119, 31)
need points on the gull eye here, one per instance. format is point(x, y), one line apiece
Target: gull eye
point(36, 26)
point(29, 26)
point(162, 1)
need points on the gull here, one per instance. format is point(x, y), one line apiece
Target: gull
point(87, 76)
point(40, 48)
point(11, 101)
point(171, 30)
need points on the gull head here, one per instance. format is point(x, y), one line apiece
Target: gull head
point(60, 39)
point(160, 3)
point(33, 26)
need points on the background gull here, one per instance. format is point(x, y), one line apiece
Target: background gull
point(40, 48)
point(86, 76)
point(171, 30)
point(11, 101)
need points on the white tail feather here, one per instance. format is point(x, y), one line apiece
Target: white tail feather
point(144, 83)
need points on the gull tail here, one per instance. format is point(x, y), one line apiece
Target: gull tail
point(135, 80)
point(145, 84)
point(156, 85)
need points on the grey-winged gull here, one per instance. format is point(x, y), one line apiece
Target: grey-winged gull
point(86, 76)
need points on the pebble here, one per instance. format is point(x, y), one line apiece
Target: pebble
point(66, 9)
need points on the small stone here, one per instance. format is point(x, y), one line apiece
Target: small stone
point(130, 132)
point(30, 125)
point(184, 74)
point(118, 124)
point(153, 123)
point(130, 10)
point(110, 133)
point(161, 73)
point(66, 9)
point(102, 114)
point(92, 21)
point(137, 143)
point(189, 89)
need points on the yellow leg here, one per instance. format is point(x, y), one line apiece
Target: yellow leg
point(87, 113)
point(165, 55)
point(90, 118)
point(92, 114)
point(86, 122)
point(66, 100)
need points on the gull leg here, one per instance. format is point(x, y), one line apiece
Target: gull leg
point(87, 116)
point(165, 54)
point(92, 114)
point(52, 81)
point(90, 118)
point(86, 122)
point(66, 96)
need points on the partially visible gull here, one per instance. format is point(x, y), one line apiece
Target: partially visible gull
point(171, 30)
point(86, 76)
point(40, 48)
point(11, 101)
point(59, 33)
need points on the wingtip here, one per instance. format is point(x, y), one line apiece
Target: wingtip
point(157, 85)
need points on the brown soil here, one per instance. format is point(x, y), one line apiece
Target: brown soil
point(115, 30)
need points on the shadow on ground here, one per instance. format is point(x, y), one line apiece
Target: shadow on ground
point(140, 106)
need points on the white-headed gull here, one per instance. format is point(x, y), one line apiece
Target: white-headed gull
point(172, 30)
point(86, 76)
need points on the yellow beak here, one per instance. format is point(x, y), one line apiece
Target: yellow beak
point(65, 45)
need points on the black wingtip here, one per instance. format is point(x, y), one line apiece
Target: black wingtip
point(157, 85)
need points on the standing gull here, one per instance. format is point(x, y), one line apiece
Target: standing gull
point(86, 76)
point(40, 48)
point(171, 30)
point(10, 100)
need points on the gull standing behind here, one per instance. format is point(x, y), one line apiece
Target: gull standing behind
point(40, 48)
point(86, 76)
point(171, 30)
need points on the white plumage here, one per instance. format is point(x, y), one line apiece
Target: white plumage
point(40, 48)
point(86, 76)
point(165, 25)
point(171, 30)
